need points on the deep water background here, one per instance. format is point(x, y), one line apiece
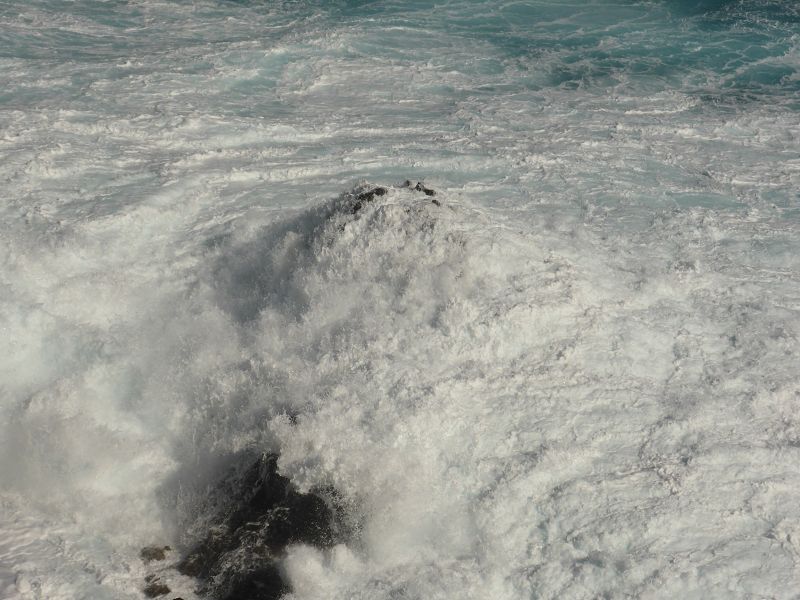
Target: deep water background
point(576, 378)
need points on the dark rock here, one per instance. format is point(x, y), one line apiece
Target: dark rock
point(436, 202)
point(156, 589)
point(262, 584)
point(421, 188)
point(378, 191)
point(238, 559)
point(151, 553)
point(357, 200)
point(367, 196)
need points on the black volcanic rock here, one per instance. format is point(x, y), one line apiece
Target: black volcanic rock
point(239, 557)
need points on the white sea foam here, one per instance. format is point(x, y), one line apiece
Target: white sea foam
point(575, 377)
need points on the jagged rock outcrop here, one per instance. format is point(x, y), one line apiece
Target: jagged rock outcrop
point(239, 558)
point(359, 197)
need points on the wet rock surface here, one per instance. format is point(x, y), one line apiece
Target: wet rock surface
point(155, 589)
point(421, 188)
point(367, 196)
point(239, 559)
point(154, 553)
point(358, 199)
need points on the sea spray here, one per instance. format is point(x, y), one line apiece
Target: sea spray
point(575, 377)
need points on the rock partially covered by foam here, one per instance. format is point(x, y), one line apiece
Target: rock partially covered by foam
point(155, 587)
point(154, 553)
point(358, 198)
point(238, 559)
point(366, 196)
point(420, 188)
point(249, 519)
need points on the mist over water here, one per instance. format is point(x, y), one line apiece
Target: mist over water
point(574, 377)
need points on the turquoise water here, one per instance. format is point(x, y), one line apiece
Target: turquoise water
point(747, 45)
point(589, 65)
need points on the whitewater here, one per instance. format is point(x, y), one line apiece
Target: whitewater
point(573, 375)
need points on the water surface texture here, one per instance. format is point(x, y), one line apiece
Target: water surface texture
point(575, 378)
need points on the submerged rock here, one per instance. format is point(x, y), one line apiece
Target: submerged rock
point(239, 558)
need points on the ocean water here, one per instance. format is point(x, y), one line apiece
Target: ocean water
point(576, 378)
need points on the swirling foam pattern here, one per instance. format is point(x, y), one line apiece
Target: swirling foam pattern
point(576, 378)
